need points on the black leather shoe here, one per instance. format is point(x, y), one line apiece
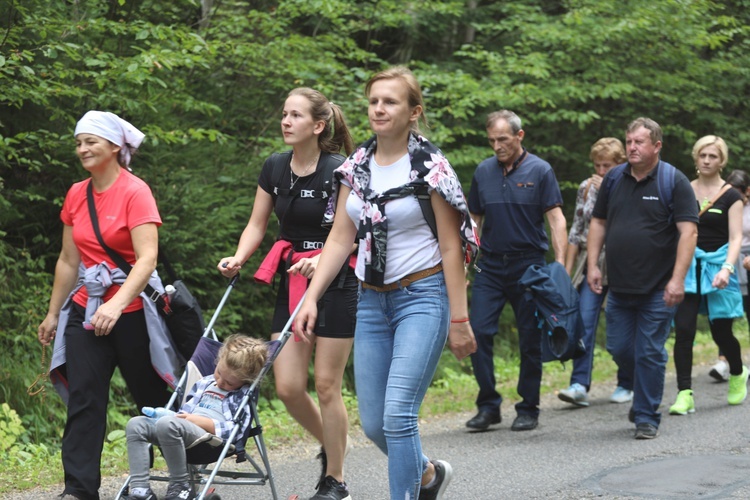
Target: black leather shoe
point(524, 422)
point(482, 420)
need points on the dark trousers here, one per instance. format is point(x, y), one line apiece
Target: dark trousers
point(685, 326)
point(90, 363)
point(495, 284)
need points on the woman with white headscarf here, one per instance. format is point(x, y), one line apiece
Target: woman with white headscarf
point(103, 317)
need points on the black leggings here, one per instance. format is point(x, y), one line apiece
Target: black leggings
point(685, 325)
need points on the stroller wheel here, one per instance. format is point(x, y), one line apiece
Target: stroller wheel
point(213, 496)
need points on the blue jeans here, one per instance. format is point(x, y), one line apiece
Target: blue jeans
point(637, 329)
point(495, 284)
point(590, 306)
point(398, 341)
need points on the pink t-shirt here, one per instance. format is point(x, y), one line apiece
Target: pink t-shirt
point(126, 204)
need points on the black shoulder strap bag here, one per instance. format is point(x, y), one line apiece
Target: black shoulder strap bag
point(180, 309)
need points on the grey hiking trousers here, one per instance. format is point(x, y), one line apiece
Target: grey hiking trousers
point(171, 434)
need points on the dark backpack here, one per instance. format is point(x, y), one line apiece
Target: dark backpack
point(664, 183)
point(423, 197)
point(279, 161)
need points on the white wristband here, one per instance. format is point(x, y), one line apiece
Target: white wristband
point(728, 266)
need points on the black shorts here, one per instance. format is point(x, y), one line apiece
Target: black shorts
point(337, 310)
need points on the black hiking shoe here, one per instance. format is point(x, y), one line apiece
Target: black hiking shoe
point(443, 475)
point(331, 489)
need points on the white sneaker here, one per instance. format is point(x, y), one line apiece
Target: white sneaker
point(720, 371)
point(575, 394)
point(621, 395)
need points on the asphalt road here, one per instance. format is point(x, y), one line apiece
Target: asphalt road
point(575, 453)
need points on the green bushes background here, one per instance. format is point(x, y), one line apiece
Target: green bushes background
point(205, 80)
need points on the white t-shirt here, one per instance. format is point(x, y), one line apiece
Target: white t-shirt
point(411, 246)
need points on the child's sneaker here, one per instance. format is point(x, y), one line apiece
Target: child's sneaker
point(443, 475)
point(140, 494)
point(179, 491)
point(331, 489)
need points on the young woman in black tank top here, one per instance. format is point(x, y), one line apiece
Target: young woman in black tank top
point(296, 185)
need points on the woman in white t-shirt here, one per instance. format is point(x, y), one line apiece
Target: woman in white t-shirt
point(412, 294)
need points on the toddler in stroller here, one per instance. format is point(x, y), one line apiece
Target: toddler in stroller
point(208, 411)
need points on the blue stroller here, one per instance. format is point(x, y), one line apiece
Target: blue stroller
point(206, 456)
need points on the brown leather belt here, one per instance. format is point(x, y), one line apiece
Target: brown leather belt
point(406, 280)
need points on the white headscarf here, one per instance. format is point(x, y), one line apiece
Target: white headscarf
point(114, 129)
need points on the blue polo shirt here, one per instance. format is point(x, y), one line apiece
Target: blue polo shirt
point(513, 206)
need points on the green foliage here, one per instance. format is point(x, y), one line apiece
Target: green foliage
point(23, 458)
point(24, 291)
point(10, 429)
point(115, 452)
point(207, 89)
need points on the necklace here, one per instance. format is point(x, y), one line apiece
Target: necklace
point(707, 192)
point(292, 180)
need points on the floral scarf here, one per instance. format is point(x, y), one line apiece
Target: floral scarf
point(429, 168)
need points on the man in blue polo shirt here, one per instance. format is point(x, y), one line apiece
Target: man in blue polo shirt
point(511, 193)
point(650, 244)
